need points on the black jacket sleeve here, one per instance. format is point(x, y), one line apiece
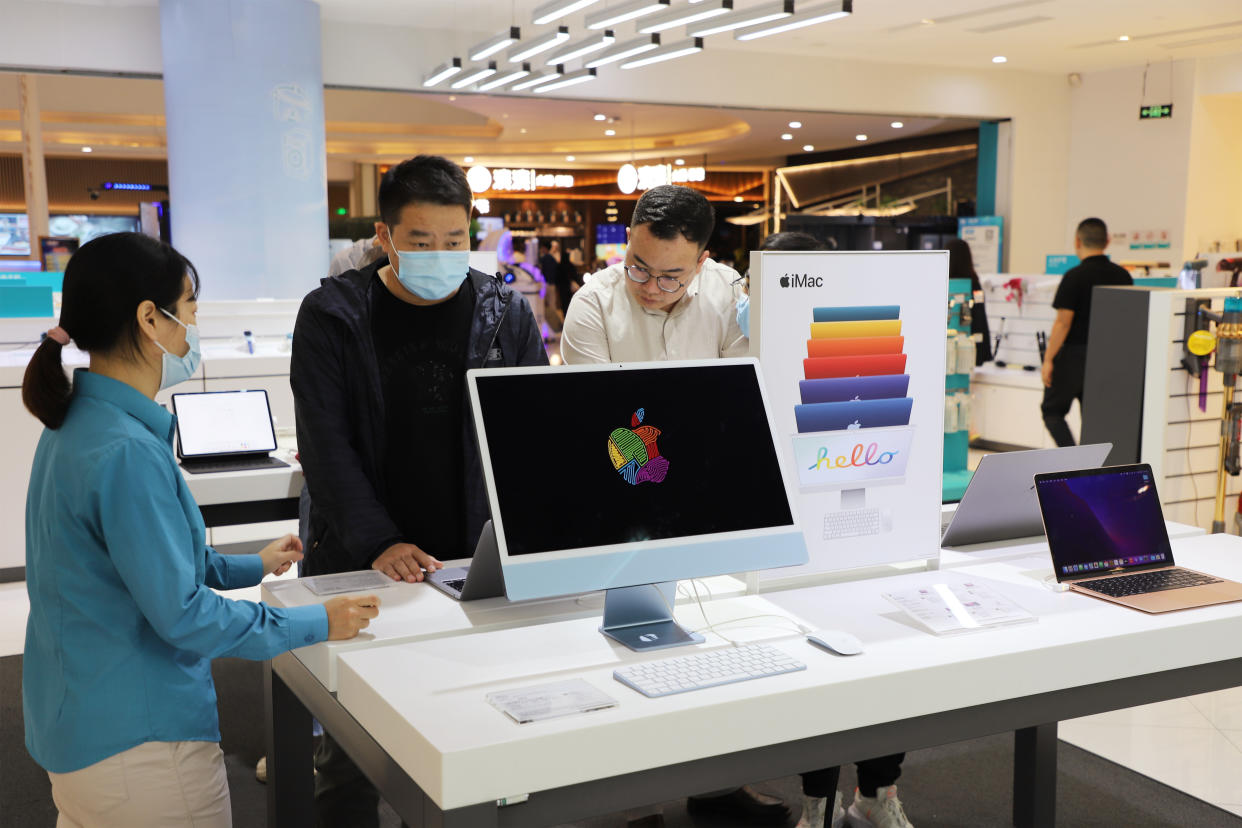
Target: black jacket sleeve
point(339, 487)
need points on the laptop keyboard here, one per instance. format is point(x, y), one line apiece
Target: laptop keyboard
point(709, 669)
point(850, 523)
point(1142, 583)
point(231, 464)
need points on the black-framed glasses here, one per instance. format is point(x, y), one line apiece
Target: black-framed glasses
point(642, 276)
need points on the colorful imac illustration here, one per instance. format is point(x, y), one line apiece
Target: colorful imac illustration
point(853, 422)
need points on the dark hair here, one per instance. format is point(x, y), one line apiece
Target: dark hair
point(1093, 234)
point(792, 240)
point(961, 262)
point(431, 179)
point(671, 210)
point(105, 282)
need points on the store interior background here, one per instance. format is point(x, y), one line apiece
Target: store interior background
point(1070, 146)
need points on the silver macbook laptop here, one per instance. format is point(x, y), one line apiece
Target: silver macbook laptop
point(1000, 502)
point(221, 431)
point(482, 579)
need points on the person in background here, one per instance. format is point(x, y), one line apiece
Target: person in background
point(1065, 361)
point(378, 373)
point(962, 266)
point(668, 299)
point(116, 679)
point(875, 800)
point(357, 256)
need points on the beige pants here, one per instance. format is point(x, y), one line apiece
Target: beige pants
point(153, 785)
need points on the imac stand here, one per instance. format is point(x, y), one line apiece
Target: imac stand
point(640, 617)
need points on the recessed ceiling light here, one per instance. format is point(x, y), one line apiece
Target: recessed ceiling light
point(599, 116)
point(1000, 59)
point(452, 97)
point(679, 161)
point(610, 132)
point(927, 21)
point(896, 124)
point(87, 149)
point(1124, 38)
point(522, 130)
point(738, 199)
point(808, 148)
point(469, 159)
point(795, 124)
point(860, 137)
point(785, 136)
point(570, 158)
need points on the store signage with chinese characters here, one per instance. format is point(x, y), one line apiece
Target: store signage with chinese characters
point(505, 180)
point(631, 178)
point(1146, 113)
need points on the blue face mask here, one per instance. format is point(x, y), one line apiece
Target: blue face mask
point(175, 369)
point(743, 315)
point(432, 274)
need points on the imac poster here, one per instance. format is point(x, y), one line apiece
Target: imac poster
point(852, 347)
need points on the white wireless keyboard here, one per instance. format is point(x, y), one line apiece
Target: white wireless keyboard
point(709, 669)
point(851, 523)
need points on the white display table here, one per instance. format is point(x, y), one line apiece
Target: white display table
point(415, 718)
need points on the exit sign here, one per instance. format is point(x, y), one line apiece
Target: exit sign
point(1155, 111)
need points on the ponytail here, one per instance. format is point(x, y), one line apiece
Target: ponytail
point(45, 388)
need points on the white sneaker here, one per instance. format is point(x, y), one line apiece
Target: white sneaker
point(814, 816)
point(881, 811)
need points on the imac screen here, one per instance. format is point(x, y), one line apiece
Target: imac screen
point(591, 458)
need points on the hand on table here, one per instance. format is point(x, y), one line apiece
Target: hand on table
point(405, 562)
point(350, 614)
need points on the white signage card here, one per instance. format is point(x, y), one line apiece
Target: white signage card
point(853, 355)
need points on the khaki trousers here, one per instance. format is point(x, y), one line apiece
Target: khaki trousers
point(153, 785)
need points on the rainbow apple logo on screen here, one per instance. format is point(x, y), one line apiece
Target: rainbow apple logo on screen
point(634, 452)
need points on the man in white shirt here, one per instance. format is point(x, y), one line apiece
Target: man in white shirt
point(667, 300)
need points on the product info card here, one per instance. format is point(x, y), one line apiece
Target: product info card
point(853, 354)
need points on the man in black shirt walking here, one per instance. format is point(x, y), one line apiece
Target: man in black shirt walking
point(378, 371)
point(1065, 361)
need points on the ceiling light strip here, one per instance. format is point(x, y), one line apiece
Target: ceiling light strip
point(622, 12)
point(587, 46)
point(628, 49)
point(443, 72)
point(669, 52)
point(572, 79)
point(760, 14)
point(800, 19)
point(506, 78)
point(475, 74)
point(540, 44)
point(546, 76)
point(556, 9)
point(684, 14)
point(492, 45)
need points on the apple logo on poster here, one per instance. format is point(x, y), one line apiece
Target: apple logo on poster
point(784, 281)
point(798, 280)
point(634, 452)
point(854, 426)
point(647, 638)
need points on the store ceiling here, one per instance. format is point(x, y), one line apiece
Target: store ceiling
point(1038, 35)
point(125, 118)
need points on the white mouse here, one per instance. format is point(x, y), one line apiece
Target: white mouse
point(836, 641)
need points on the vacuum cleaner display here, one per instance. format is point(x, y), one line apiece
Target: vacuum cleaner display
point(1233, 266)
point(1199, 343)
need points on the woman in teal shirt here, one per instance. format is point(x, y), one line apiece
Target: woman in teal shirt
point(116, 681)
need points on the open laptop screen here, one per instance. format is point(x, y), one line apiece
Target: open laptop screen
point(585, 458)
point(223, 422)
point(1103, 519)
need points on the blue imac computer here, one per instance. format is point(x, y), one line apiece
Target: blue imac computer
point(628, 478)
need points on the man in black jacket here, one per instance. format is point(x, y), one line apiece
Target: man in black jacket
point(378, 375)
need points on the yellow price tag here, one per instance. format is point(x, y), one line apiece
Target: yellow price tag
point(1201, 343)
